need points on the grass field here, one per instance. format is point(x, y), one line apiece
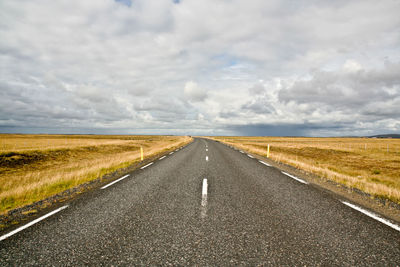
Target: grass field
point(371, 165)
point(33, 167)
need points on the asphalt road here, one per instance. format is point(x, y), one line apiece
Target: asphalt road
point(252, 215)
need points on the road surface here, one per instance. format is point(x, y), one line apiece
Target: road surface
point(244, 213)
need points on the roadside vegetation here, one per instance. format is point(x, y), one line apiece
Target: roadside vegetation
point(371, 165)
point(34, 167)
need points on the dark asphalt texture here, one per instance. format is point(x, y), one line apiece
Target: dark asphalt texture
point(255, 215)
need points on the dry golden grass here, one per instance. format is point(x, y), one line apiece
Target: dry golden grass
point(371, 165)
point(33, 167)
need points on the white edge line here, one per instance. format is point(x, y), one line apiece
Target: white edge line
point(294, 177)
point(241, 151)
point(116, 181)
point(163, 157)
point(262, 162)
point(171, 153)
point(372, 215)
point(250, 156)
point(145, 166)
point(32, 223)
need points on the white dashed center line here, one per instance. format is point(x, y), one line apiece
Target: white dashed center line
point(204, 188)
point(32, 223)
point(163, 157)
point(204, 198)
point(372, 215)
point(294, 177)
point(206, 158)
point(262, 162)
point(146, 165)
point(207, 149)
point(116, 181)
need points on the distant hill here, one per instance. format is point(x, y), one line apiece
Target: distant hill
point(385, 136)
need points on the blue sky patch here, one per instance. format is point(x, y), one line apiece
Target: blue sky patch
point(124, 2)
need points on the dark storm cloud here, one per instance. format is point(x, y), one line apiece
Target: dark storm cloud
point(283, 129)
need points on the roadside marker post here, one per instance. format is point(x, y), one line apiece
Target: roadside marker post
point(141, 153)
point(268, 151)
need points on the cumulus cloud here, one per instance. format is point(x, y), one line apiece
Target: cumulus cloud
point(352, 66)
point(257, 89)
point(193, 92)
point(346, 89)
point(200, 67)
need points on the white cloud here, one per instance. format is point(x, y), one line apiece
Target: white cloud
point(109, 64)
point(194, 93)
point(352, 66)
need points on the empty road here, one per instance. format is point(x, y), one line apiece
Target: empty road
point(206, 204)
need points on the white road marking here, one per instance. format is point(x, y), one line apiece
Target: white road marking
point(262, 162)
point(32, 223)
point(294, 177)
point(204, 189)
point(116, 181)
point(250, 156)
point(163, 157)
point(372, 215)
point(204, 199)
point(145, 166)
point(206, 158)
point(171, 152)
point(177, 150)
point(241, 151)
point(207, 149)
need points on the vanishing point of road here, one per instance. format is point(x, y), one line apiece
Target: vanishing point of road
point(209, 205)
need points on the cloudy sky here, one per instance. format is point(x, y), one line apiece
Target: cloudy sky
point(209, 67)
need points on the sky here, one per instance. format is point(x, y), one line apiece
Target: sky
point(209, 67)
